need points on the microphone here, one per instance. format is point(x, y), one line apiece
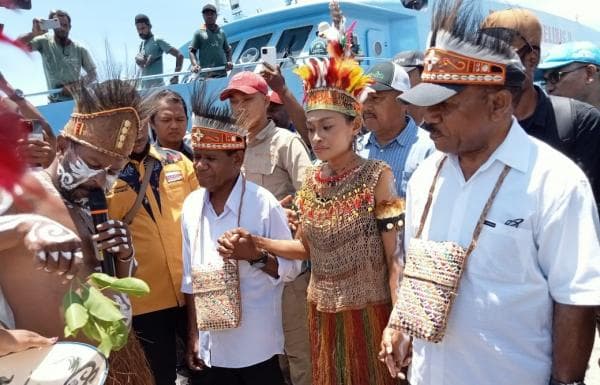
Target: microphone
point(99, 210)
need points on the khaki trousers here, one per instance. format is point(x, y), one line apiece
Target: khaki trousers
point(295, 330)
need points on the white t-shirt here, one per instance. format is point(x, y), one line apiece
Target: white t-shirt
point(260, 333)
point(540, 244)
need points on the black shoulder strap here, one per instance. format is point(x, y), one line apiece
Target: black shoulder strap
point(563, 113)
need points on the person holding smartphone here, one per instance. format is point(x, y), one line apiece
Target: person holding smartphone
point(39, 148)
point(62, 57)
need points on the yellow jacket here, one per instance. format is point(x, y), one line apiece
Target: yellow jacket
point(156, 228)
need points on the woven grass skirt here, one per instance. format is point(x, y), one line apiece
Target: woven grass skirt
point(345, 346)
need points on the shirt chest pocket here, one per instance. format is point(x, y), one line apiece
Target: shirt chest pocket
point(260, 167)
point(503, 253)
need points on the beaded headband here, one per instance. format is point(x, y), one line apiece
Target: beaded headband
point(204, 138)
point(97, 132)
point(442, 66)
point(332, 99)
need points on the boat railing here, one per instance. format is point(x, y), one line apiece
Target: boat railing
point(190, 76)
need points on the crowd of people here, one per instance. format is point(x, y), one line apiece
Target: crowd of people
point(431, 220)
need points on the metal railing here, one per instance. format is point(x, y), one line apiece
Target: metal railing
point(197, 75)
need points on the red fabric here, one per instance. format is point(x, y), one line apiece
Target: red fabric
point(12, 167)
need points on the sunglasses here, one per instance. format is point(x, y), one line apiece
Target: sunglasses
point(554, 77)
point(508, 35)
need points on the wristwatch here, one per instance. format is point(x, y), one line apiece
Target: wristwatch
point(17, 95)
point(261, 261)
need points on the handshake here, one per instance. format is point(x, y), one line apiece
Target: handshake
point(240, 245)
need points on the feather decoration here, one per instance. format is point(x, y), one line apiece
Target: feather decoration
point(340, 70)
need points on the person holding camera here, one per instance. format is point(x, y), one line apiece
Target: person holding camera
point(149, 57)
point(62, 57)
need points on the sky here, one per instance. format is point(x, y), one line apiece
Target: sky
point(96, 22)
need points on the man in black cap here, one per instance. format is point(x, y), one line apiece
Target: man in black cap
point(412, 62)
point(149, 56)
point(211, 46)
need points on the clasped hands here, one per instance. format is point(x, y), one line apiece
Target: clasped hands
point(238, 244)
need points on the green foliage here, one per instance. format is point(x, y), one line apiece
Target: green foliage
point(90, 311)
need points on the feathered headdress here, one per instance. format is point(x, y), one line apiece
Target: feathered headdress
point(334, 83)
point(213, 126)
point(460, 54)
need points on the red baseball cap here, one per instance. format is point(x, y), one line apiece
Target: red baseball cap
point(246, 82)
point(274, 97)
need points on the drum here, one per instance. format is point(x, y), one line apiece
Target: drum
point(64, 363)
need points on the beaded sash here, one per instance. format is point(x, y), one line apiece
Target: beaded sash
point(432, 274)
point(216, 287)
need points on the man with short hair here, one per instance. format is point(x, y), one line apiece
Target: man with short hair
point(149, 57)
point(62, 57)
point(245, 354)
point(393, 136)
point(412, 62)
point(211, 46)
point(275, 159)
point(154, 222)
point(572, 70)
point(566, 124)
point(520, 213)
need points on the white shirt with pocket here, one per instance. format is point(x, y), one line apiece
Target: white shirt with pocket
point(539, 244)
point(260, 333)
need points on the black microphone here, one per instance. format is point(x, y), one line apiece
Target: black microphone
point(99, 210)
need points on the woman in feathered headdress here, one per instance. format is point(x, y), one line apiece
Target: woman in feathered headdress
point(350, 219)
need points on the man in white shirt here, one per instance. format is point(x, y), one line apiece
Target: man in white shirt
point(247, 354)
point(524, 309)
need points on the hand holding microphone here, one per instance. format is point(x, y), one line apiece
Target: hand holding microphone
point(112, 238)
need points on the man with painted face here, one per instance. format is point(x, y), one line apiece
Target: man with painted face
point(152, 210)
point(513, 215)
point(91, 150)
point(62, 57)
point(393, 136)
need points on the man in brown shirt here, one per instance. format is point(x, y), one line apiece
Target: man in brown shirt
point(276, 160)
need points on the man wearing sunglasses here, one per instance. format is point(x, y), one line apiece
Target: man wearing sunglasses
point(566, 124)
point(573, 70)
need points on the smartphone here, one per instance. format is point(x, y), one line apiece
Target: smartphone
point(48, 24)
point(269, 55)
point(35, 131)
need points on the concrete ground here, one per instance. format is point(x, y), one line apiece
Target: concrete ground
point(592, 376)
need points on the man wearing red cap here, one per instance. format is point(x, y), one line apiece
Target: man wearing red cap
point(275, 159)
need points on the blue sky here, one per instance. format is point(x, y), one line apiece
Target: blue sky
point(95, 22)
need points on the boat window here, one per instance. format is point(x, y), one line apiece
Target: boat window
point(234, 45)
point(292, 41)
point(414, 4)
point(251, 51)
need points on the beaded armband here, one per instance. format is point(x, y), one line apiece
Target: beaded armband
point(390, 215)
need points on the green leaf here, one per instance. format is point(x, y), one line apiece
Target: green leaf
point(90, 330)
point(117, 331)
point(100, 306)
point(106, 345)
point(131, 285)
point(76, 314)
point(101, 280)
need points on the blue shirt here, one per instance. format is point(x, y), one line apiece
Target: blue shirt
point(403, 154)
